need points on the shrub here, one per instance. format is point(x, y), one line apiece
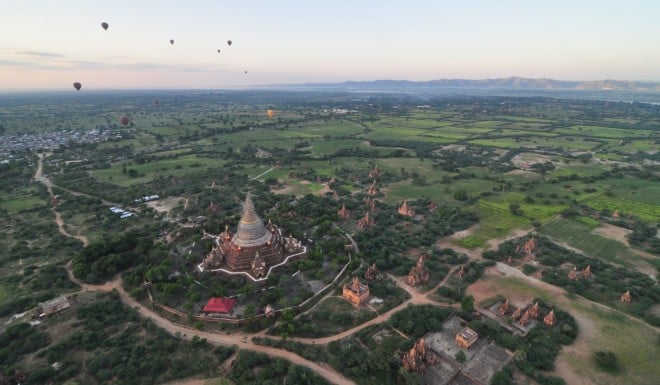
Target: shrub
point(606, 360)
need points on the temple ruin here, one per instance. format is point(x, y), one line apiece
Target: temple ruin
point(373, 189)
point(419, 274)
point(365, 221)
point(549, 319)
point(405, 210)
point(626, 297)
point(374, 173)
point(534, 310)
point(416, 359)
point(466, 338)
point(524, 320)
point(572, 275)
point(504, 307)
point(356, 293)
point(343, 212)
point(254, 247)
point(372, 273)
point(461, 272)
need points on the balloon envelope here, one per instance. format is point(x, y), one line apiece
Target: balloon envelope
point(172, 41)
point(229, 42)
point(123, 120)
point(270, 113)
point(104, 25)
point(218, 51)
point(77, 86)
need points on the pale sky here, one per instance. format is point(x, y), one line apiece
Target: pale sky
point(51, 44)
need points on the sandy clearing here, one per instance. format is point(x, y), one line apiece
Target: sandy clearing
point(492, 244)
point(529, 158)
point(285, 189)
point(325, 189)
point(521, 172)
point(188, 381)
point(165, 205)
point(617, 233)
point(464, 233)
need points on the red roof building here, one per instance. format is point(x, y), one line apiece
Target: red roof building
point(219, 305)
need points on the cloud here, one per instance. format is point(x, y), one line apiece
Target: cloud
point(135, 66)
point(37, 53)
point(36, 60)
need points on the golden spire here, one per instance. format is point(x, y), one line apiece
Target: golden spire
point(249, 215)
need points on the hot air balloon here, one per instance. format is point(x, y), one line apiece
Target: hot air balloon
point(218, 51)
point(77, 86)
point(172, 41)
point(245, 71)
point(270, 113)
point(156, 102)
point(124, 120)
point(229, 43)
point(105, 25)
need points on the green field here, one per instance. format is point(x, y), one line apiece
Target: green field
point(330, 146)
point(605, 132)
point(580, 236)
point(634, 146)
point(495, 220)
point(335, 128)
point(579, 170)
point(626, 206)
point(14, 205)
point(178, 167)
point(634, 344)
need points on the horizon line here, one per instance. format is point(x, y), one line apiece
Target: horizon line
point(325, 83)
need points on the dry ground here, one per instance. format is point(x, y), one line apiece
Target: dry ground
point(165, 205)
point(617, 233)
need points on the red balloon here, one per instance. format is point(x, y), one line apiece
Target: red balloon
point(77, 86)
point(229, 42)
point(124, 120)
point(104, 25)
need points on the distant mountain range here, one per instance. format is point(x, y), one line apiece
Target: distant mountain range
point(511, 83)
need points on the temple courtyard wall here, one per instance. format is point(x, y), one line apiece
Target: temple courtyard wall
point(484, 358)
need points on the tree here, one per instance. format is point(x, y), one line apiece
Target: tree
point(461, 357)
point(467, 303)
point(606, 360)
point(501, 378)
point(514, 208)
point(461, 195)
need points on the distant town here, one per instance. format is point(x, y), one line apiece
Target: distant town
point(13, 143)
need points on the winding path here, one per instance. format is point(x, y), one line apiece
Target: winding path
point(180, 331)
point(38, 176)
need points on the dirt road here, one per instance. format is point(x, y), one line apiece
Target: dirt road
point(38, 175)
point(322, 370)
